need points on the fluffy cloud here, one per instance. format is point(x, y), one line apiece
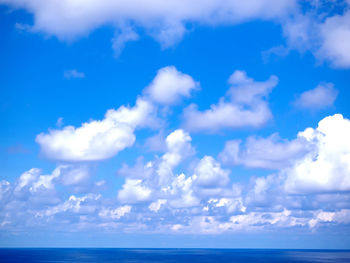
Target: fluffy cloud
point(268, 153)
point(307, 192)
point(143, 179)
point(342, 216)
point(325, 33)
point(164, 20)
point(335, 37)
point(320, 97)
point(34, 185)
point(155, 206)
point(115, 213)
point(102, 139)
point(210, 174)
point(326, 169)
point(97, 140)
point(170, 85)
point(84, 204)
point(74, 175)
point(133, 191)
point(178, 148)
point(316, 162)
point(157, 180)
point(307, 26)
point(244, 105)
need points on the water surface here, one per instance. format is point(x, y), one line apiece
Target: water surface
point(172, 255)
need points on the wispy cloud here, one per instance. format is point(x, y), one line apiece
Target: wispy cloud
point(73, 73)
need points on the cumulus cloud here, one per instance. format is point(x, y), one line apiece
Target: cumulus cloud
point(102, 139)
point(342, 216)
point(335, 37)
point(139, 171)
point(170, 85)
point(210, 174)
point(317, 26)
point(245, 105)
point(116, 213)
point(320, 97)
point(97, 140)
point(268, 153)
point(157, 180)
point(155, 206)
point(178, 148)
point(306, 192)
point(316, 162)
point(133, 191)
point(145, 179)
point(163, 20)
point(33, 183)
point(84, 204)
point(326, 169)
point(77, 177)
point(324, 30)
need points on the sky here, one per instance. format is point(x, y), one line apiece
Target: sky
point(190, 123)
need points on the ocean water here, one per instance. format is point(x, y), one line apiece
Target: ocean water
point(172, 255)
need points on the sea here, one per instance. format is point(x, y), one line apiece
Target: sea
point(25, 255)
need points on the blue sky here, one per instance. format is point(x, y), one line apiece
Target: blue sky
point(168, 125)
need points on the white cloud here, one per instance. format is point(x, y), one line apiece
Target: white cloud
point(327, 168)
point(309, 191)
point(120, 38)
point(117, 213)
point(74, 175)
point(320, 97)
point(39, 187)
point(322, 31)
point(102, 139)
point(84, 204)
point(147, 180)
point(314, 28)
point(139, 171)
point(155, 206)
point(170, 85)
point(251, 221)
point(182, 192)
point(335, 37)
point(210, 174)
point(178, 148)
point(97, 140)
point(133, 192)
point(33, 182)
point(244, 105)
point(232, 205)
point(269, 153)
point(69, 74)
point(342, 216)
point(323, 167)
point(164, 20)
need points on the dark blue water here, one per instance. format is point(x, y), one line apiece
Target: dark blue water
point(172, 255)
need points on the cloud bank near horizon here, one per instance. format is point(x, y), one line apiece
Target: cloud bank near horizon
point(182, 190)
